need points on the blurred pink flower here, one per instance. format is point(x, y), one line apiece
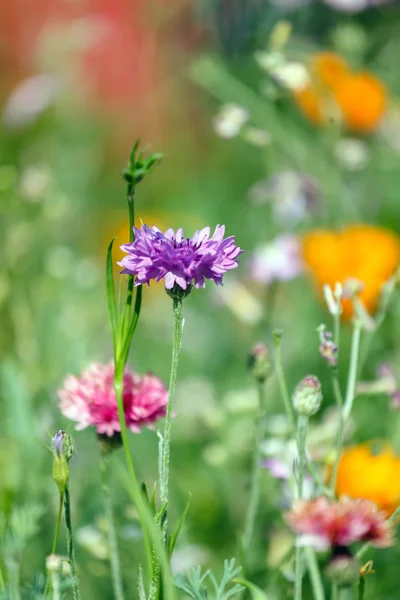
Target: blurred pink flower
point(278, 260)
point(325, 524)
point(90, 399)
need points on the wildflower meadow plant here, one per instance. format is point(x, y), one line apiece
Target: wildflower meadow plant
point(326, 512)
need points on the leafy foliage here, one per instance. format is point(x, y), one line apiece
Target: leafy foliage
point(196, 583)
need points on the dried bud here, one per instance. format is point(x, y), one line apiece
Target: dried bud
point(260, 364)
point(328, 349)
point(63, 450)
point(307, 396)
point(343, 570)
point(53, 563)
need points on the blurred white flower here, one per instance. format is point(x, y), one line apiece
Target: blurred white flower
point(256, 137)
point(241, 301)
point(292, 75)
point(230, 120)
point(93, 540)
point(351, 153)
point(390, 129)
point(30, 99)
point(35, 182)
point(292, 196)
point(186, 557)
point(278, 260)
point(354, 5)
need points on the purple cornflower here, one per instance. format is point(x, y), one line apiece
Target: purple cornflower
point(180, 261)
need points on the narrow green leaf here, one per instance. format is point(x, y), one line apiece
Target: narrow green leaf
point(174, 536)
point(132, 326)
point(256, 592)
point(110, 289)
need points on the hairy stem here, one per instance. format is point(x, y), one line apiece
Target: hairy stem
point(70, 544)
point(353, 368)
point(282, 383)
point(112, 533)
point(256, 473)
point(339, 438)
point(315, 574)
point(176, 348)
point(302, 429)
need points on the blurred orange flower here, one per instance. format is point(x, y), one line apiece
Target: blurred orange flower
point(370, 471)
point(357, 99)
point(364, 252)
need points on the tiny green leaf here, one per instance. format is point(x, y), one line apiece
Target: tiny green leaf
point(110, 290)
point(176, 532)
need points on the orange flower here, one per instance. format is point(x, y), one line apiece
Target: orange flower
point(329, 68)
point(357, 99)
point(372, 473)
point(362, 100)
point(364, 252)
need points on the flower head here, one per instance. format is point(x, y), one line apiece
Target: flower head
point(358, 100)
point(324, 524)
point(370, 471)
point(278, 260)
point(360, 252)
point(90, 399)
point(178, 260)
point(307, 396)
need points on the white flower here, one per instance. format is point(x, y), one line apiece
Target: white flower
point(230, 120)
point(278, 260)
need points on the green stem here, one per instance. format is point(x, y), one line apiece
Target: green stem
point(352, 377)
point(345, 592)
point(361, 588)
point(302, 429)
point(70, 544)
point(282, 383)
point(2, 586)
point(55, 584)
point(339, 438)
point(176, 347)
point(334, 592)
point(315, 574)
point(112, 533)
point(136, 491)
point(55, 538)
point(14, 573)
point(256, 474)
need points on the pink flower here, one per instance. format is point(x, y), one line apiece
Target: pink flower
point(90, 399)
point(324, 524)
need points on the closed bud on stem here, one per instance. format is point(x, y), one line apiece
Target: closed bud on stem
point(343, 569)
point(53, 563)
point(63, 449)
point(307, 396)
point(259, 362)
point(328, 349)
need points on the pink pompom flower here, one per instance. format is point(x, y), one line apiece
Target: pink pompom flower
point(324, 524)
point(90, 399)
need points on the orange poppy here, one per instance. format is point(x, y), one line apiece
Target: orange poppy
point(358, 100)
point(364, 252)
point(370, 471)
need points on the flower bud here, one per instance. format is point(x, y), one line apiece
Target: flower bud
point(328, 349)
point(343, 570)
point(259, 362)
point(307, 396)
point(63, 450)
point(178, 293)
point(53, 563)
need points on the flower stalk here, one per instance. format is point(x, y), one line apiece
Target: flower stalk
point(256, 474)
point(302, 429)
point(112, 532)
point(314, 573)
point(353, 369)
point(166, 445)
point(70, 544)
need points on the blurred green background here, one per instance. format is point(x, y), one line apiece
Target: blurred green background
point(80, 81)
